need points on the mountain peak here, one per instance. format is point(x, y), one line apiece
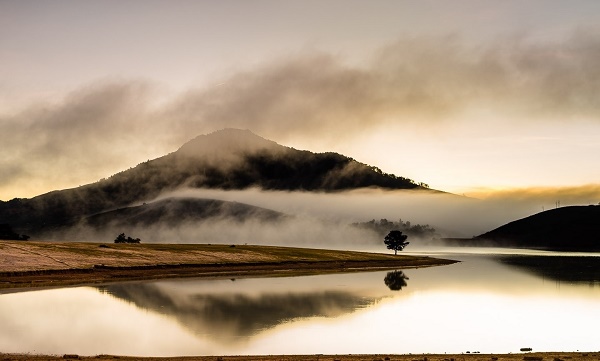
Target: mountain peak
point(228, 141)
point(226, 159)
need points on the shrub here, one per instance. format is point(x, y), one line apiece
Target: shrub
point(122, 239)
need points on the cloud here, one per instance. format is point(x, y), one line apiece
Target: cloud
point(412, 80)
point(94, 132)
point(546, 197)
point(102, 128)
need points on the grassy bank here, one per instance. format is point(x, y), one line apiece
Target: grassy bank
point(53, 264)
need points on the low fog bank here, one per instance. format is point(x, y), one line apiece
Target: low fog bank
point(324, 220)
point(449, 214)
point(294, 231)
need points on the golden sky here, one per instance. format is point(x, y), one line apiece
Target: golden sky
point(463, 95)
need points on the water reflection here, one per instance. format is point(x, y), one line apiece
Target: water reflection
point(488, 303)
point(395, 280)
point(230, 316)
point(578, 269)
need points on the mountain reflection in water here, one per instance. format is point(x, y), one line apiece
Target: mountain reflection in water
point(227, 317)
point(493, 301)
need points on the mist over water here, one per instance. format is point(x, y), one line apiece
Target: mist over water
point(451, 215)
point(316, 219)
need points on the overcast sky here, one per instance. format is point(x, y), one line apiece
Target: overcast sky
point(463, 95)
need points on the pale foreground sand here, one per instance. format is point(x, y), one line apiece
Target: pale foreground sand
point(541, 356)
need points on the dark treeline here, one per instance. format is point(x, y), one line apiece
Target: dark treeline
point(303, 170)
point(7, 233)
point(383, 227)
point(121, 238)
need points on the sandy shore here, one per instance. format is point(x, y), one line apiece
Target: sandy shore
point(540, 356)
point(26, 265)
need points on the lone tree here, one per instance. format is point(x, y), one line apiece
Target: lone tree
point(396, 240)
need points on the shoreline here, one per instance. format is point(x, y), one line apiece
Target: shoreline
point(17, 281)
point(530, 356)
point(30, 265)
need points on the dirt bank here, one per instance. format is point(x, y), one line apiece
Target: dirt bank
point(55, 264)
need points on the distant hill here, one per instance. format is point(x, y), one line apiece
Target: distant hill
point(227, 159)
point(173, 212)
point(575, 228)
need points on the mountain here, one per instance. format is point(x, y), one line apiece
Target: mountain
point(226, 159)
point(575, 228)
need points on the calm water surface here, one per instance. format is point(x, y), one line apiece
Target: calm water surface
point(490, 303)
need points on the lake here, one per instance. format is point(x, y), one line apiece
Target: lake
point(494, 301)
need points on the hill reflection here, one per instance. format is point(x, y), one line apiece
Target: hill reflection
point(226, 317)
point(571, 269)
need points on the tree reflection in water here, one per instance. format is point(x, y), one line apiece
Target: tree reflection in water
point(395, 280)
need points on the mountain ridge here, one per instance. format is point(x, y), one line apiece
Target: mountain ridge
point(227, 159)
